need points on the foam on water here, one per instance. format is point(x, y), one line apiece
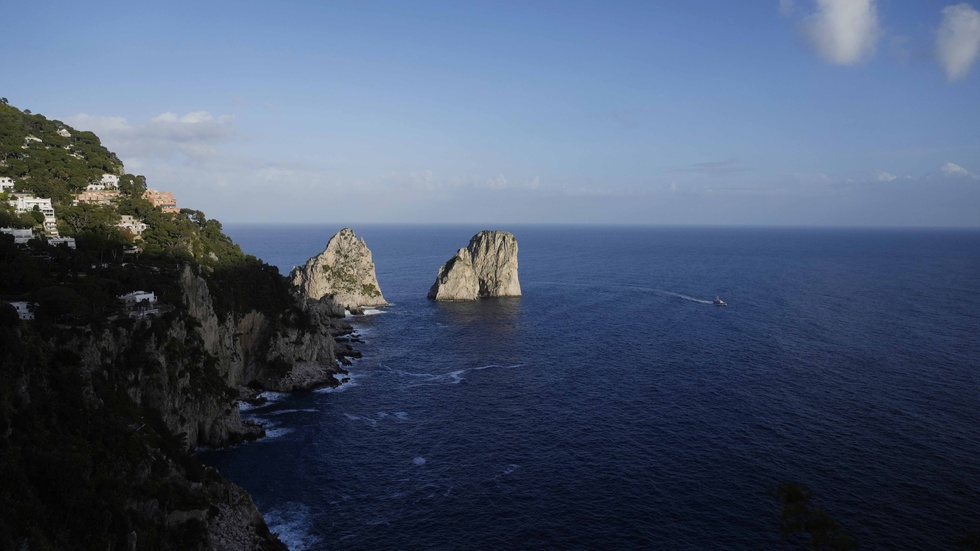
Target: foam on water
point(272, 434)
point(288, 411)
point(419, 461)
point(368, 420)
point(645, 423)
point(342, 386)
point(453, 377)
point(244, 406)
point(292, 524)
point(273, 430)
point(272, 397)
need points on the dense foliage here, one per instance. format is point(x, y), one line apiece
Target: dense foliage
point(82, 465)
point(48, 163)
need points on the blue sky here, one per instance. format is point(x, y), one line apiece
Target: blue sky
point(802, 112)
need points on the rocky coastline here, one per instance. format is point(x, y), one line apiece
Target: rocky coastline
point(122, 353)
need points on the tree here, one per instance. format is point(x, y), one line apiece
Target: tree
point(89, 217)
point(37, 215)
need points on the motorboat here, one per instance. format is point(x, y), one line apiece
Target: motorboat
point(719, 302)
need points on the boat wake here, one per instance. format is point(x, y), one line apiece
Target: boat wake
point(685, 297)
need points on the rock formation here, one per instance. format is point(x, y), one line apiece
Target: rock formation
point(487, 267)
point(342, 274)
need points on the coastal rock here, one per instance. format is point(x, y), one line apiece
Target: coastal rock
point(487, 267)
point(343, 274)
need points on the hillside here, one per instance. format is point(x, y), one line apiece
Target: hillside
point(102, 403)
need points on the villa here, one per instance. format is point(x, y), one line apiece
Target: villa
point(21, 236)
point(162, 199)
point(23, 202)
point(97, 197)
point(132, 224)
point(25, 310)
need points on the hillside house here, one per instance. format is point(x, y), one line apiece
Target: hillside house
point(97, 197)
point(21, 236)
point(110, 181)
point(55, 241)
point(138, 297)
point(164, 200)
point(25, 310)
point(6, 184)
point(23, 202)
point(132, 224)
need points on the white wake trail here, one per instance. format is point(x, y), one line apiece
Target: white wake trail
point(685, 297)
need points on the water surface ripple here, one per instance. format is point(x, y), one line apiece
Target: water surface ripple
point(611, 407)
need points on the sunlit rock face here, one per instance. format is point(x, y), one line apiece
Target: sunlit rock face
point(487, 267)
point(343, 273)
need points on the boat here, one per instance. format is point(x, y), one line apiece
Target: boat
point(719, 302)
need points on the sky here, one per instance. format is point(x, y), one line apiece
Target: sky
point(669, 112)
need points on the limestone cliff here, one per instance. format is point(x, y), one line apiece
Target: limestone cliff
point(487, 267)
point(188, 365)
point(343, 274)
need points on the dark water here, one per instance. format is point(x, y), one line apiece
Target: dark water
point(612, 406)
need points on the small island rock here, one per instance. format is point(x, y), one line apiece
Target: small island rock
point(342, 274)
point(487, 267)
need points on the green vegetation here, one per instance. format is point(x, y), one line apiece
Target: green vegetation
point(77, 476)
point(84, 465)
point(51, 165)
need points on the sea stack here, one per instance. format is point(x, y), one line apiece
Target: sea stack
point(487, 267)
point(342, 274)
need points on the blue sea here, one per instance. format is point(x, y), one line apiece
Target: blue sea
point(614, 407)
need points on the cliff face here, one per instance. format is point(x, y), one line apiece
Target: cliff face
point(249, 350)
point(487, 267)
point(141, 395)
point(343, 274)
point(95, 430)
point(189, 364)
point(99, 413)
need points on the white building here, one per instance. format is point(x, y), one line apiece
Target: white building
point(55, 241)
point(137, 297)
point(64, 133)
point(26, 203)
point(110, 181)
point(24, 309)
point(6, 184)
point(21, 236)
point(133, 224)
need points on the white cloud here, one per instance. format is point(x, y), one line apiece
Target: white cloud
point(194, 135)
point(97, 124)
point(883, 176)
point(787, 7)
point(954, 170)
point(958, 40)
point(844, 32)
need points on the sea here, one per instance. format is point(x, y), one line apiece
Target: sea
point(614, 406)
